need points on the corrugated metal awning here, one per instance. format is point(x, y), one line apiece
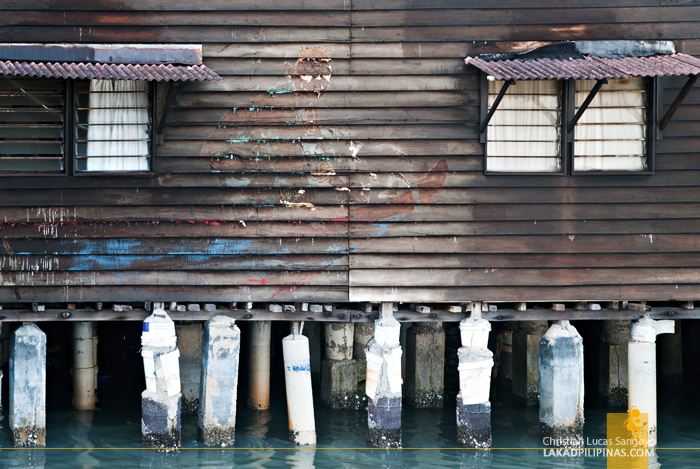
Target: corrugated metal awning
point(588, 67)
point(109, 71)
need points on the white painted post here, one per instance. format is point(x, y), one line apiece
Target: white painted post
point(161, 401)
point(383, 385)
point(297, 376)
point(475, 365)
point(28, 386)
point(561, 386)
point(221, 348)
point(642, 369)
point(259, 382)
point(83, 366)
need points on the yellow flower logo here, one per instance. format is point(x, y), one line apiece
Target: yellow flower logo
point(634, 421)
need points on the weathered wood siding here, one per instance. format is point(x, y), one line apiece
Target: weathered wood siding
point(339, 160)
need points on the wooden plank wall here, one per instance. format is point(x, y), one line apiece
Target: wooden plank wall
point(338, 160)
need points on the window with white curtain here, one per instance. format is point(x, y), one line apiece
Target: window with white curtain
point(612, 133)
point(114, 123)
point(524, 134)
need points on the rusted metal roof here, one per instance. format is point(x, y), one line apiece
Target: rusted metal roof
point(588, 68)
point(105, 71)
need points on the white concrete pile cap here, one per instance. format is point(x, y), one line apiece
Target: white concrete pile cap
point(646, 329)
point(561, 329)
point(222, 321)
point(158, 330)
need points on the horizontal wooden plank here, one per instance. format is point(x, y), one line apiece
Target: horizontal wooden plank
point(183, 196)
point(311, 171)
point(639, 243)
point(365, 50)
point(125, 294)
point(343, 67)
point(342, 315)
point(306, 116)
point(268, 262)
point(172, 34)
point(402, 152)
point(172, 246)
point(167, 5)
point(432, 17)
point(528, 294)
point(155, 214)
point(520, 277)
point(516, 261)
point(275, 86)
point(171, 278)
point(176, 18)
point(245, 134)
point(333, 98)
point(542, 227)
point(534, 213)
point(486, 4)
point(139, 314)
point(217, 5)
point(521, 16)
point(395, 202)
point(590, 32)
point(195, 229)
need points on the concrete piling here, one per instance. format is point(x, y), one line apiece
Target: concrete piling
point(297, 377)
point(613, 362)
point(641, 357)
point(341, 375)
point(219, 382)
point(259, 381)
point(189, 342)
point(475, 366)
point(425, 364)
point(28, 386)
point(383, 384)
point(561, 386)
point(84, 361)
point(526, 350)
point(161, 401)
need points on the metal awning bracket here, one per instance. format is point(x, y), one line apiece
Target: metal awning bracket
point(598, 85)
point(501, 93)
point(677, 102)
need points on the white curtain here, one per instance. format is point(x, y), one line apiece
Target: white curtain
point(118, 126)
point(611, 135)
point(523, 134)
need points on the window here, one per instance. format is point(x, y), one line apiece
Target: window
point(524, 134)
point(114, 124)
point(32, 133)
point(56, 126)
point(612, 133)
point(528, 132)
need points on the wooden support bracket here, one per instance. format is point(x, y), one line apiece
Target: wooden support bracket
point(677, 102)
point(501, 93)
point(599, 84)
point(163, 108)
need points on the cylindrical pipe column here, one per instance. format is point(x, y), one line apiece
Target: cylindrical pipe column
point(83, 366)
point(297, 377)
point(259, 382)
point(641, 356)
point(339, 340)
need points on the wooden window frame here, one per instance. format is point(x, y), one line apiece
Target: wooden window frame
point(70, 136)
point(568, 93)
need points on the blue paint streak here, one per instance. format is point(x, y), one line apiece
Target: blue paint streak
point(299, 368)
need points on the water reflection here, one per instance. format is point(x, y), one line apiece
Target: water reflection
point(302, 458)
